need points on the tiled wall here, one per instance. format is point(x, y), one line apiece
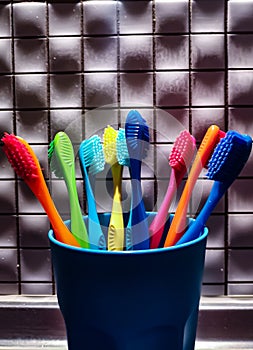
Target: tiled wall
point(58, 61)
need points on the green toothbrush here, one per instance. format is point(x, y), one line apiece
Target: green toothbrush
point(62, 162)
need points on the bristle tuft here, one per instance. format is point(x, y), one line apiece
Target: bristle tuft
point(92, 154)
point(110, 152)
point(122, 151)
point(182, 151)
point(19, 157)
point(137, 135)
point(229, 156)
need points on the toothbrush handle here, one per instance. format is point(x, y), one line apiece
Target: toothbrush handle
point(178, 224)
point(196, 228)
point(116, 224)
point(96, 236)
point(157, 226)
point(139, 223)
point(62, 233)
point(78, 227)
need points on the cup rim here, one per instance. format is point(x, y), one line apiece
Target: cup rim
point(127, 252)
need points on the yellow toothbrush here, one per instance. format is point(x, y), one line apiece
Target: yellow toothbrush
point(115, 237)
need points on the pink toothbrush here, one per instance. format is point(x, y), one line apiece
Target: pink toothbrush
point(179, 159)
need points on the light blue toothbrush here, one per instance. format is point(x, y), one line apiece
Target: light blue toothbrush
point(92, 161)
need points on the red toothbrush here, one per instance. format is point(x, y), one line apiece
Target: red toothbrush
point(26, 165)
point(180, 158)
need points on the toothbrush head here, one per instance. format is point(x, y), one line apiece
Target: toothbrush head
point(22, 160)
point(122, 151)
point(110, 152)
point(229, 157)
point(137, 135)
point(182, 151)
point(212, 137)
point(91, 154)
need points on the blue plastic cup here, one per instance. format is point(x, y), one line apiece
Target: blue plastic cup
point(138, 300)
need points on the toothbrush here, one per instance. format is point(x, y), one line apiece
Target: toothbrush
point(116, 225)
point(61, 155)
point(25, 163)
point(178, 224)
point(123, 159)
point(225, 165)
point(179, 160)
point(137, 139)
point(92, 161)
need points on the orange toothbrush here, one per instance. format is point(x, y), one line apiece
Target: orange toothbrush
point(25, 163)
point(178, 225)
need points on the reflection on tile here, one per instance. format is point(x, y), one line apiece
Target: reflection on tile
point(240, 289)
point(5, 56)
point(5, 22)
point(172, 88)
point(216, 227)
point(65, 90)
point(202, 118)
point(32, 125)
point(240, 119)
point(6, 92)
point(8, 237)
point(240, 51)
point(33, 230)
point(7, 197)
point(240, 196)
point(60, 196)
point(240, 230)
point(27, 201)
point(136, 52)
point(35, 265)
point(100, 54)
point(200, 194)
point(170, 122)
point(69, 121)
point(29, 19)
point(208, 16)
point(100, 89)
point(171, 16)
point(162, 155)
point(212, 290)
point(214, 266)
point(135, 17)
point(36, 288)
point(208, 88)
point(98, 119)
point(9, 288)
point(65, 54)
point(31, 91)
point(148, 194)
point(35, 49)
point(136, 89)
point(240, 16)
point(239, 268)
point(64, 19)
point(100, 22)
point(8, 260)
point(172, 52)
point(240, 87)
point(6, 125)
point(207, 51)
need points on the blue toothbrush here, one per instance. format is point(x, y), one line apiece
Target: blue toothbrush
point(226, 163)
point(137, 139)
point(92, 161)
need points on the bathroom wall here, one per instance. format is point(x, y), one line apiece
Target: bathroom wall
point(78, 66)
